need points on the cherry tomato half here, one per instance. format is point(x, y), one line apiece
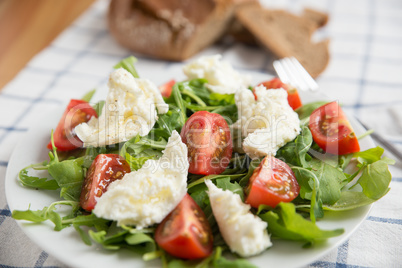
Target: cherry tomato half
point(332, 131)
point(185, 232)
point(293, 96)
point(272, 182)
point(209, 142)
point(166, 89)
point(105, 169)
point(77, 112)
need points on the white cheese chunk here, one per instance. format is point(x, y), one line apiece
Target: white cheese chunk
point(267, 123)
point(221, 76)
point(130, 109)
point(146, 196)
point(244, 233)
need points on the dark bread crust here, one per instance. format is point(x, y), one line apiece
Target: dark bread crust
point(172, 32)
point(285, 35)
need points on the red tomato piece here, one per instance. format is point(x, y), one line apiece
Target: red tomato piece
point(77, 112)
point(209, 142)
point(185, 233)
point(166, 89)
point(272, 182)
point(332, 131)
point(105, 169)
point(293, 96)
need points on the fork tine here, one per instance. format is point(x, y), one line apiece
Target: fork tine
point(290, 71)
point(286, 72)
point(312, 84)
point(298, 78)
point(299, 74)
point(281, 72)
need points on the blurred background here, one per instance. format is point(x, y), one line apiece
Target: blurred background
point(28, 26)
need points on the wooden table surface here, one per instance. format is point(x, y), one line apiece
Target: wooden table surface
point(28, 26)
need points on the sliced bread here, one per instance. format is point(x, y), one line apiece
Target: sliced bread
point(286, 34)
point(320, 18)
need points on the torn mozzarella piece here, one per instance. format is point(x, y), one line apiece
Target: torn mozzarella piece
point(244, 233)
point(130, 109)
point(266, 124)
point(221, 76)
point(146, 196)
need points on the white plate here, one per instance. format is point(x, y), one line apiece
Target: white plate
point(67, 246)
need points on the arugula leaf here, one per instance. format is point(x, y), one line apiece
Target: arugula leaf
point(369, 156)
point(166, 123)
point(128, 64)
point(306, 110)
point(214, 260)
point(116, 237)
point(99, 106)
point(344, 161)
point(91, 221)
point(221, 99)
point(69, 176)
point(180, 104)
point(206, 207)
point(171, 262)
point(331, 181)
point(91, 153)
point(253, 165)
point(309, 190)
point(236, 263)
point(110, 243)
point(88, 96)
point(296, 151)
point(53, 158)
point(220, 261)
point(143, 146)
point(141, 242)
point(229, 112)
point(197, 86)
point(303, 144)
point(350, 200)
point(201, 197)
point(36, 182)
point(194, 96)
point(137, 162)
point(213, 177)
point(284, 222)
point(375, 175)
point(47, 213)
point(375, 179)
point(225, 184)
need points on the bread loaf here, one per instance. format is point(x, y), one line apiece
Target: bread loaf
point(171, 30)
point(286, 34)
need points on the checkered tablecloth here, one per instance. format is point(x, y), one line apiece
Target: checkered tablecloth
point(365, 74)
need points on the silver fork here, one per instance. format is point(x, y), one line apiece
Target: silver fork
point(291, 72)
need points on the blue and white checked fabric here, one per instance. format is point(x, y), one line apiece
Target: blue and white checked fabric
point(365, 74)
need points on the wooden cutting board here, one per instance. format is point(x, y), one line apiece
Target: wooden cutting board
point(28, 26)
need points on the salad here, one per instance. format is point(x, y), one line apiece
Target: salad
point(189, 182)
